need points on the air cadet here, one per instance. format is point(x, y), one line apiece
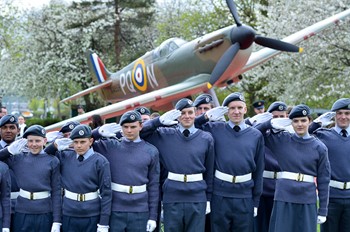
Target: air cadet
point(239, 165)
point(259, 106)
point(38, 206)
point(9, 130)
point(135, 175)
point(67, 128)
point(5, 202)
point(262, 221)
point(337, 141)
point(302, 158)
point(187, 158)
point(203, 103)
point(86, 183)
point(145, 113)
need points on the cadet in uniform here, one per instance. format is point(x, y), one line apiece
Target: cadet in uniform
point(86, 181)
point(145, 113)
point(67, 128)
point(262, 221)
point(135, 176)
point(9, 130)
point(302, 158)
point(259, 106)
point(38, 206)
point(203, 103)
point(239, 165)
point(187, 158)
point(337, 141)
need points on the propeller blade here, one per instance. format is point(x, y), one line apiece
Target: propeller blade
point(232, 6)
point(222, 64)
point(277, 44)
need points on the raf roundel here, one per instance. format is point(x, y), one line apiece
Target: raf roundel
point(139, 77)
point(81, 132)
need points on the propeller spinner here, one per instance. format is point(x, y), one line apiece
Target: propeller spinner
point(242, 37)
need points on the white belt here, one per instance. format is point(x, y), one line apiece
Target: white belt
point(231, 178)
point(185, 177)
point(339, 185)
point(296, 176)
point(14, 195)
point(129, 189)
point(34, 196)
point(271, 174)
point(81, 197)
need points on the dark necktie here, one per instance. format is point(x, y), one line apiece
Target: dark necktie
point(236, 128)
point(80, 158)
point(186, 132)
point(344, 133)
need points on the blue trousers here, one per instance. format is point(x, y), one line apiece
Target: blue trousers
point(291, 217)
point(262, 221)
point(32, 222)
point(128, 222)
point(184, 217)
point(338, 219)
point(79, 224)
point(231, 214)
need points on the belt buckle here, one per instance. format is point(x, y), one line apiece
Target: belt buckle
point(345, 185)
point(185, 178)
point(130, 190)
point(31, 196)
point(81, 197)
point(274, 175)
point(233, 179)
point(300, 177)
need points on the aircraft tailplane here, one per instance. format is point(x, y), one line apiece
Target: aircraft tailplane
point(97, 68)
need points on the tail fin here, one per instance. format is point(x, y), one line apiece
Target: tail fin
point(97, 68)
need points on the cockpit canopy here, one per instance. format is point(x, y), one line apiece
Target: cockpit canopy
point(168, 46)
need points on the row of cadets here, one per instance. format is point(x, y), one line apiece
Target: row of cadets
point(38, 206)
point(302, 158)
point(187, 160)
point(239, 165)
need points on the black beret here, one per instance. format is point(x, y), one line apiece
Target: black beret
point(9, 119)
point(81, 131)
point(202, 99)
point(183, 103)
point(69, 126)
point(236, 96)
point(277, 106)
point(36, 130)
point(299, 111)
point(143, 110)
point(341, 104)
point(130, 116)
point(259, 104)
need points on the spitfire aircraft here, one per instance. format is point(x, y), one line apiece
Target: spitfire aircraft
point(178, 68)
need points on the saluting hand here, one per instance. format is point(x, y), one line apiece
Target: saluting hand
point(325, 119)
point(109, 130)
point(63, 144)
point(260, 118)
point(17, 146)
point(169, 117)
point(216, 113)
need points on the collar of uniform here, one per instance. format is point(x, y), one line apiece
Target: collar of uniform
point(3, 143)
point(306, 136)
point(192, 129)
point(242, 125)
point(338, 129)
point(137, 140)
point(89, 153)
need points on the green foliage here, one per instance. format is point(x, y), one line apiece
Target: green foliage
point(43, 122)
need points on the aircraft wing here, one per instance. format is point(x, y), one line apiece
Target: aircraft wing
point(157, 97)
point(89, 90)
point(265, 54)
